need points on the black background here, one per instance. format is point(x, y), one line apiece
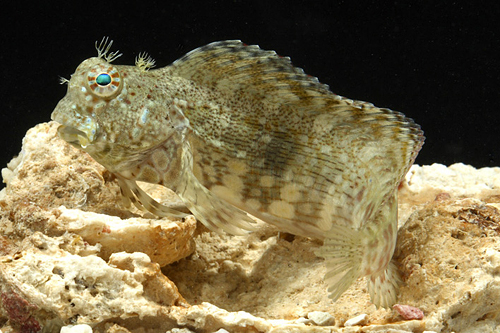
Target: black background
point(437, 62)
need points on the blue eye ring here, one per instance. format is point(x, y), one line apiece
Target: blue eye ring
point(104, 81)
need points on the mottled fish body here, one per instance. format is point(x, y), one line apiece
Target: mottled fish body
point(234, 129)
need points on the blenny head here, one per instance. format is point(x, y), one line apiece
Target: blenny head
point(107, 113)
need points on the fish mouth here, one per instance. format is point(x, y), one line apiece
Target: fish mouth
point(78, 128)
point(73, 136)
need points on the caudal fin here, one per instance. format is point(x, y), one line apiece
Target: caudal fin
point(384, 286)
point(343, 253)
point(349, 256)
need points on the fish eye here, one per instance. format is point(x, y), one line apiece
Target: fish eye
point(104, 81)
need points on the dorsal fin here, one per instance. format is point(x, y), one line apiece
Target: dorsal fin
point(235, 66)
point(231, 66)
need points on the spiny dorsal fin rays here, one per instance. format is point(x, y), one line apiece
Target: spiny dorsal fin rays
point(250, 67)
point(374, 125)
point(265, 73)
point(402, 135)
point(103, 50)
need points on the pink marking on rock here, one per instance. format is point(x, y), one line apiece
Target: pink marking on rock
point(409, 312)
point(19, 312)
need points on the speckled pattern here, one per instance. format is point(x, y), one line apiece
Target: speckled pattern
point(234, 129)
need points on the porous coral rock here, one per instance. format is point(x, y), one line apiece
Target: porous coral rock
point(64, 288)
point(72, 253)
point(54, 188)
point(163, 241)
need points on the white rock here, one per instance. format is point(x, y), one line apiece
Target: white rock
point(76, 329)
point(459, 179)
point(180, 330)
point(321, 318)
point(358, 320)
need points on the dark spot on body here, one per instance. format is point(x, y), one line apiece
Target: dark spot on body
point(277, 153)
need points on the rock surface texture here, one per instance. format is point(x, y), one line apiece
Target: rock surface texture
point(72, 253)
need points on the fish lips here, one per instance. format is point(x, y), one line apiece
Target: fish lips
point(74, 136)
point(77, 129)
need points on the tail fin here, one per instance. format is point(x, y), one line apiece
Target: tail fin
point(349, 256)
point(343, 251)
point(384, 285)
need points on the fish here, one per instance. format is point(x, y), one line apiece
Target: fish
point(239, 133)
